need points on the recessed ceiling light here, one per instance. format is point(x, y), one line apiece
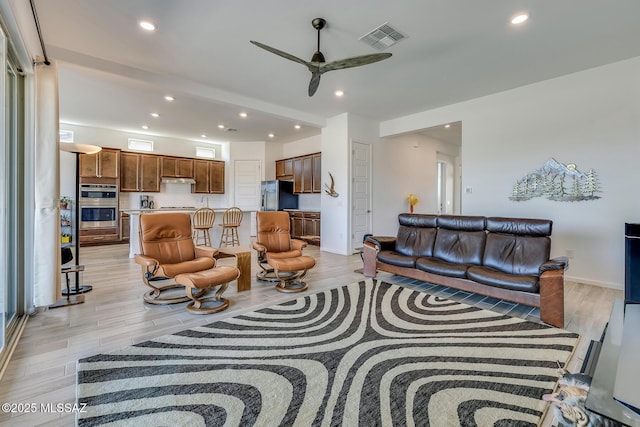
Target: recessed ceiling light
point(220, 126)
point(243, 115)
point(271, 135)
point(147, 25)
point(203, 136)
point(156, 115)
point(145, 127)
point(169, 98)
point(339, 93)
point(297, 126)
point(519, 18)
point(447, 126)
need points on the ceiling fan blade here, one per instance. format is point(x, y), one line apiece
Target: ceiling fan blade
point(356, 61)
point(281, 53)
point(313, 84)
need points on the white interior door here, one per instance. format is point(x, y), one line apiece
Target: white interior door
point(361, 193)
point(246, 183)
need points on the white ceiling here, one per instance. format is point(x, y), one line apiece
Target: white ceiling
point(113, 74)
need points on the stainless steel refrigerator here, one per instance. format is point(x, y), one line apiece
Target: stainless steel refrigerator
point(278, 195)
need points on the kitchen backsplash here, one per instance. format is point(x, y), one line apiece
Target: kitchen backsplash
point(179, 195)
point(174, 195)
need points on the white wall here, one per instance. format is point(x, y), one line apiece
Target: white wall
point(116, 139)
point(409, 165)
point(590, 118)
point(334, 211)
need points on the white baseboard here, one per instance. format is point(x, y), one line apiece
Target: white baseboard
point(610, 285)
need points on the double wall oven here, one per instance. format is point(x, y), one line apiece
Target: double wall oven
point(98, 206)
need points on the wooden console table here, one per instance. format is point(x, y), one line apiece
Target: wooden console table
point(243, 262)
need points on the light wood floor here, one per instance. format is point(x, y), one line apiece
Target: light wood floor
point(43, 367)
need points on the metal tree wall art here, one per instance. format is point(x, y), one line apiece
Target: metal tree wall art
point(559, 182)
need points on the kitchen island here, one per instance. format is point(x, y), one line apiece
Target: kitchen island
point(245, 231)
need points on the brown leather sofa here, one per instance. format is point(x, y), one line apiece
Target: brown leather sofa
point(505, 258)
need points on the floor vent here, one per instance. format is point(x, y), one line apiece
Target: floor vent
point(382, 37)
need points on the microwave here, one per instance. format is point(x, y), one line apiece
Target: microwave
point(98, 195)
point(98, 217)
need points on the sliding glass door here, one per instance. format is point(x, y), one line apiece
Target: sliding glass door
point(11, 202)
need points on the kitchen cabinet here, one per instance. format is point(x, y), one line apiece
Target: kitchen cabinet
point(307, 172)
point(97, 236)
point(284, 169)
point(305, 224)
point(209, 176)
point(177, 167)
point(125, 221)
point(316, 174)
point(296, 219)
point(103, 164)
point(140, 172)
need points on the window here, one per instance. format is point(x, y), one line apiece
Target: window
point(140, 145)
point(208, 153)
point(66, 135)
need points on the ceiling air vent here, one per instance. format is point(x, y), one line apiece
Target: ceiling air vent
point(383, 37)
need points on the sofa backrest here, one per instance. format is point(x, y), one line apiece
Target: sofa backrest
point(416, 234)
point(460, 239)
point(510, 245)
point(517, 246)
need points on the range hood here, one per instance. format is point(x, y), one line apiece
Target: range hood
point(178, 181)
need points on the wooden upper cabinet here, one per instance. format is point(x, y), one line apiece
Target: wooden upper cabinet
point(149, 173)
point(307, 174)
point(209, 176)
point(284, 169)
point(201, 175)
point(316, 185)
point(177, 167)
point(298, 175)
point(103, 164)
point(129, 173)
point(216, 177)
point(140, 172)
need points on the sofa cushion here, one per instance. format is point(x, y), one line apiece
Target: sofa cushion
point(520, 226)
point(516, 254)
point(462, 223)
point(499, 279)
point(397, 259)
point(442, 268)
point(462, 247)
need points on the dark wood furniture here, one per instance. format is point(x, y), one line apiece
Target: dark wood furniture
point(140, 172)
point(177, 167)
point(209, 176)
point(306, 172)
point(305, 225)
point(103, 164)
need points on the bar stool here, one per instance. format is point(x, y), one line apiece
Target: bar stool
point(230, 222)
point(203, 220)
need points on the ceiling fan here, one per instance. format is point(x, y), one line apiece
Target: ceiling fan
point(318, 66)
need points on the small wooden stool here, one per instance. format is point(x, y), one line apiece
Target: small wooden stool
point(204, 280)
point(295, 269)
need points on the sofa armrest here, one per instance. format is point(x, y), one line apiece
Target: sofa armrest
point(560, 263)
point(382, 243)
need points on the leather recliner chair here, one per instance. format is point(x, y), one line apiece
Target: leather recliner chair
point(167, 250)
point(279, 256)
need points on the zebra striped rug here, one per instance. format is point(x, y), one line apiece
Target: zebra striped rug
point(369, 353)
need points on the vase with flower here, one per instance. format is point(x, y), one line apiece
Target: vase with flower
point(413, 200)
